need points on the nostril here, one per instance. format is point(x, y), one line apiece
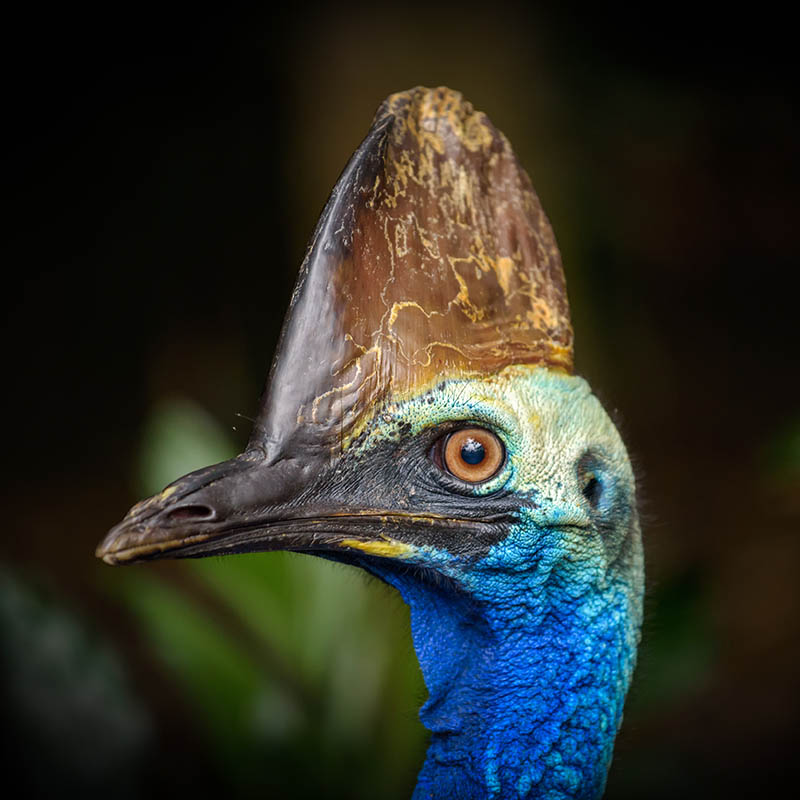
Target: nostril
point(193, 513)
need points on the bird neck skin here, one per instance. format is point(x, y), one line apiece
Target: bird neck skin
point(526, 674)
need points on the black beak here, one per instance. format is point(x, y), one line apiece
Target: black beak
point(247, 505)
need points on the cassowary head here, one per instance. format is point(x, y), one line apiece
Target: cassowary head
point(422, 421)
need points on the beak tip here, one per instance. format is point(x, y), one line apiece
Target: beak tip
point(105, 552)
point(113, 545)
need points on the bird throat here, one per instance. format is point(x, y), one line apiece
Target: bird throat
point(526, 677)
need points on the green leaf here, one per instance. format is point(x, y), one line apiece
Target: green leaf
point(179, 437)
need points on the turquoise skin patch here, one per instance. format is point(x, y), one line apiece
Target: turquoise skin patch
point(527, 655)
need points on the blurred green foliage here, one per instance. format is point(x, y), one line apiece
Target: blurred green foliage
point(73, 720)
point(290, 662)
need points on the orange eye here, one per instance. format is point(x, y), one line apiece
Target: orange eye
point(473, 454)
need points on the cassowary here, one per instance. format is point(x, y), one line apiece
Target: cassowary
point(422, 421)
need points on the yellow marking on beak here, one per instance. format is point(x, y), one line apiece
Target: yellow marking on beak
point(385, 549)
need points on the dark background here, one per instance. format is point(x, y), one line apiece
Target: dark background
point(164, 170)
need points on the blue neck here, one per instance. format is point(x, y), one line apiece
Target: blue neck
point(526, 676)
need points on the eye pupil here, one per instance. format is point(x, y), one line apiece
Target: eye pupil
point(472, 452)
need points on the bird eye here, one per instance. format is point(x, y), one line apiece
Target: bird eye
point(472, 454)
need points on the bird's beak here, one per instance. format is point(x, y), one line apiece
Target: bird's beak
point(245, 505)
point(377, 314)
